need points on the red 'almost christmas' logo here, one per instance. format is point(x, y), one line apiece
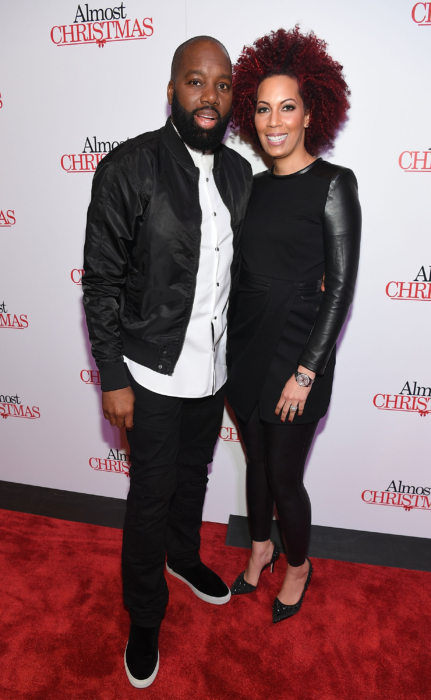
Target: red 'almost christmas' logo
point(7, 218)
point(415, 161)
point(89, 159)
point(12, 407)
point(401, 496)
point(90, 376)
point(116, 462)
point(421, 14)
point(12, 321)
point(76, 276)
point(418, 289)
point(229, 434)
point(411, 399)
point(100, 27)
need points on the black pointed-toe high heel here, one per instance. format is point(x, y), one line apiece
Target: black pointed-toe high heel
point(282, 612)
point(240, 585)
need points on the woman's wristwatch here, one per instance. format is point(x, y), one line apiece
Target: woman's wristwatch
point(303, 379)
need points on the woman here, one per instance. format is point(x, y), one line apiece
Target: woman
point(303, 224)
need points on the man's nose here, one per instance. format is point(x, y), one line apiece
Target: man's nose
point(210, 95)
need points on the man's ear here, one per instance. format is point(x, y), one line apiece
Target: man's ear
point(171, 88)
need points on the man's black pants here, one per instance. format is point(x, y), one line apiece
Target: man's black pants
point(171, 445)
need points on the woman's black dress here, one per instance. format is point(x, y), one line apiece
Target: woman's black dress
point(297, 227)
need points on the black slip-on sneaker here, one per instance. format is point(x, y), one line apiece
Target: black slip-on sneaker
point(206, 584)
point(141, 658)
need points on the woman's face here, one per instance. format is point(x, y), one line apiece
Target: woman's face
point(280, 116)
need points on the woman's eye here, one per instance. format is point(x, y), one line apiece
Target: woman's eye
point(289, 108)
point(261, 110)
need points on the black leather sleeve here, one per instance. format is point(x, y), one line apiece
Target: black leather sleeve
point(112, 222)
point(342, 234)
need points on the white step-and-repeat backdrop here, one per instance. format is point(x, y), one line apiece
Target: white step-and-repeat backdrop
point(75, 81)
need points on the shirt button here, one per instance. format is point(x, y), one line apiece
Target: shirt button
point(160, 366)
point(208, 179)
point(217, 249)
point(164, 352)
point(218, 284)
point(215, 318)
point(215, 213)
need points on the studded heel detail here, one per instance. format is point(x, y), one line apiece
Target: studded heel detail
point(240, 585)
point(282, 612)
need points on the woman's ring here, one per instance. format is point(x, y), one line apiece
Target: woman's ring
point(293, 408)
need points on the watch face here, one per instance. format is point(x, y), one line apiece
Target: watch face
point(303, 379)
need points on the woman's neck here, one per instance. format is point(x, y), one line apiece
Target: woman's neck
point(292, 163)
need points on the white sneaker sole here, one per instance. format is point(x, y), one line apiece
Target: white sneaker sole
point(147, 681)
point(203, 596)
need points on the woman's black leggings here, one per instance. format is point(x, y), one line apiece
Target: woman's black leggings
point(276, 456)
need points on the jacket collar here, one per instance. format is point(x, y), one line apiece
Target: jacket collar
point(177, 147)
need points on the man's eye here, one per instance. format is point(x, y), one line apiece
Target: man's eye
point(195, 82)
point(224, 86)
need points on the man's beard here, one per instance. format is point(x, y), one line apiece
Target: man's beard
point(194, 135)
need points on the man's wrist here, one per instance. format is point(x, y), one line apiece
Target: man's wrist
point(113, 376)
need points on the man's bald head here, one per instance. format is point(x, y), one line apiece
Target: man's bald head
point(179, 53)
point(200, 92)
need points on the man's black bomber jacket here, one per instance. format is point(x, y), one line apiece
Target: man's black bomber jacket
point(142, 249)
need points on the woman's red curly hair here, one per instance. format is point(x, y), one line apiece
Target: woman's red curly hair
point(320, 81)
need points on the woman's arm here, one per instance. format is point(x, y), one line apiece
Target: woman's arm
point(341, 235)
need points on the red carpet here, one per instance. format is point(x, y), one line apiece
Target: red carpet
point(363, 632)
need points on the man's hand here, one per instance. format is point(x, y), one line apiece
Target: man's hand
point(322, 288)
point(118, 406)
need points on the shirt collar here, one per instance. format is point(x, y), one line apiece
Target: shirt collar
point(204, 161)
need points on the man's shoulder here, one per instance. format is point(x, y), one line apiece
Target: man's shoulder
point(236, 158)
point(147, 142)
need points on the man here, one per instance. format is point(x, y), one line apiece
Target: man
point(160, 255)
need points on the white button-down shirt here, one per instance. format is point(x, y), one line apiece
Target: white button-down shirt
point(201, 367)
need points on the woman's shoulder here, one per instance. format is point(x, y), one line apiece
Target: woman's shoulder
point(260, 177)
point(331, 171)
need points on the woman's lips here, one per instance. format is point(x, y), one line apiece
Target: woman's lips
point(206, 120)
point(276, 139)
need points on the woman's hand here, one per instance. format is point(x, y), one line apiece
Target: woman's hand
point(293, 395)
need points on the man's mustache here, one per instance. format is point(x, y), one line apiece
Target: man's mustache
point(207, 109)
